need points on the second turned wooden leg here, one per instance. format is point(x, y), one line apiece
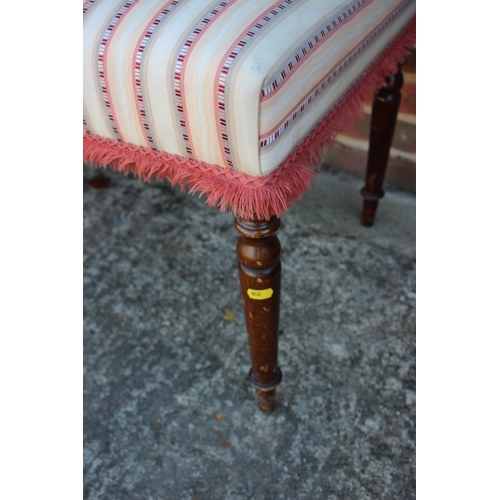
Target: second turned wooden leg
point(384, 117)
point(258, 253)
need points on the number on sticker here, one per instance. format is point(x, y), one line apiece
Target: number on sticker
point(260, 294)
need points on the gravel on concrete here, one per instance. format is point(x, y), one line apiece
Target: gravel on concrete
point(168, 410)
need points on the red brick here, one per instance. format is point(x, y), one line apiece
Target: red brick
point(411, 63)
point(360, 129)
point(404, 135)
point(408, 99)
point(400, 174)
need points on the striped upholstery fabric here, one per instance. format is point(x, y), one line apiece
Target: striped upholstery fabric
point(232, 83)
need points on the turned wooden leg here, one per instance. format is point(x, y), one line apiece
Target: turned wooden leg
point(384, 116)
point(258, 253)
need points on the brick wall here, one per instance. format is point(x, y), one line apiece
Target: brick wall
point(350, 150)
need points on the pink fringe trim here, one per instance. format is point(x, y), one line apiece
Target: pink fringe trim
point(243, 194)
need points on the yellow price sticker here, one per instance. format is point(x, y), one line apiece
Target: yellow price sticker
point(260, 294)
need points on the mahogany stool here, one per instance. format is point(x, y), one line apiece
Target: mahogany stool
point(234, 99)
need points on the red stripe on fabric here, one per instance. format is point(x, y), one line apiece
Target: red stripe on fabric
point(87, 5)
point(339, 67)
point(220, 86)
point(276, 86)
point(182, 60)
point(245, 195)
point(102, 63)
point(139, 50)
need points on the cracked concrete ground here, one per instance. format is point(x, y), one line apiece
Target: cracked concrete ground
point(168, 411)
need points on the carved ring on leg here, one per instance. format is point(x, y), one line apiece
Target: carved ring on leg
point(266, 393)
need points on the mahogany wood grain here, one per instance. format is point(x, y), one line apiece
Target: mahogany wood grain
point(258, 252)
point(384, 117)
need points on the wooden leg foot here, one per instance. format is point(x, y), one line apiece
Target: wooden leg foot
point(267, 400)
point(369, 208)
point(266, 393)
point(258, 253)
point(384, 117)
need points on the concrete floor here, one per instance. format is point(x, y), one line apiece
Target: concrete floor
point(168, 411)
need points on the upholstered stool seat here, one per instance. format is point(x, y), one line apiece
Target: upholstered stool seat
point(235, 100)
